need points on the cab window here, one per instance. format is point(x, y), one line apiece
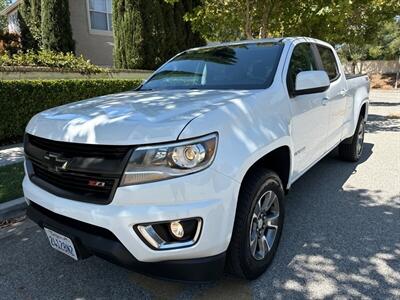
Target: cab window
point(328, 62)
point(303, 59)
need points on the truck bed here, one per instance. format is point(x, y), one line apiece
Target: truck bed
point(351, 76)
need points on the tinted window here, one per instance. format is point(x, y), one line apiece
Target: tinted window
point(302, 60)
point(328, 62)
point(249, 66)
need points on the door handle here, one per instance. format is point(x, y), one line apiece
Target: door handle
point(325, 101)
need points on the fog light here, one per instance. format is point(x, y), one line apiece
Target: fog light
point(177, 229)
point(169, 235)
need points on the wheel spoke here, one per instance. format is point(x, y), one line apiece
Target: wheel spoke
point(264, 246)
point(268, 200)
point(257, 209)
point(272, 220)
point(270, 237)
point(261, 247)
point(253, 246)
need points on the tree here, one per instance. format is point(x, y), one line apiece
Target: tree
point(148, 32)
point(222, 20)
point(387, 43)
point(56, 26)
point(29, 18)
point(128, 34)
point(3, 19)
point(339, 21)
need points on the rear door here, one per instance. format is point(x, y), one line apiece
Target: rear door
point(309, 112)
point(336, 95)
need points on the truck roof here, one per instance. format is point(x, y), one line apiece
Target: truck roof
point(259, 41)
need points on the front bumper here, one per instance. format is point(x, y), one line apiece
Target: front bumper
point(90, 240)
point(208, 195)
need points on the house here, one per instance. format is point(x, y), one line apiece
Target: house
point(91, 22)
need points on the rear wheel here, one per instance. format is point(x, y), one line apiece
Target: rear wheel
point(258, 224)
point(352, 150)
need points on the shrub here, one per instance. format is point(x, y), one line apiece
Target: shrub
point(29, 19)
point(9, 42)
point(56, 26)
point(148, 32)
point(50, 59)
point(22, 99)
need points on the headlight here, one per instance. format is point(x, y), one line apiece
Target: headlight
point(160, 162)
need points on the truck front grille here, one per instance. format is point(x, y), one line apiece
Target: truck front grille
point(81, 172)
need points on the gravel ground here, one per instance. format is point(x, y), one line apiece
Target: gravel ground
point(341, 240)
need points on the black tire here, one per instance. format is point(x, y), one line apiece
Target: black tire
point(349, 149)
point(240, 260)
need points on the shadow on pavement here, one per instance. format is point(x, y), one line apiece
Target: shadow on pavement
point(334, 240)
point(384, 103)
point(379, 123)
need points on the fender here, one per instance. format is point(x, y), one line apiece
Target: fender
point(249, 128)
point(360, 98)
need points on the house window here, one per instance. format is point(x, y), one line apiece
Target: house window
point(13, 25)
point(100, 14)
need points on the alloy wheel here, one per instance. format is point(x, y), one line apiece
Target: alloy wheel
point(264, 225)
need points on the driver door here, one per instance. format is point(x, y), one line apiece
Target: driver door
point(310, 114)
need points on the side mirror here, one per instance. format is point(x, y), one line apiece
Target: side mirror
point(309, 82)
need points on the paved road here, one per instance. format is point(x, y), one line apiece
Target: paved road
point(341, 239)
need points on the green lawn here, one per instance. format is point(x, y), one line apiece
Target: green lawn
point(11, 182)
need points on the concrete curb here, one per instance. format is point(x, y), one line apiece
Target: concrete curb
point(10, 207)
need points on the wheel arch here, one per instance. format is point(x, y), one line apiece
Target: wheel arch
point(278, 160)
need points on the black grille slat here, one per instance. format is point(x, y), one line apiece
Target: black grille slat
point(81, 149)
point(83, 164)
point(68, 182)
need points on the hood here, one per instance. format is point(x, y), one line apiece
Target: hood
point(129, 118)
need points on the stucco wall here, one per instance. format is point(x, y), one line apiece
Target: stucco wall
point(374, 67)
point(98, 47)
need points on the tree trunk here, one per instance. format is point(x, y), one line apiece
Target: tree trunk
point(267, 9)
point(248, 21)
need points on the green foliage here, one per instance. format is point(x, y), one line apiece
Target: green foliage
point(236, 19)
point(385, 45)
point(51, 59)
point(3, 19)
point(148, 32)
point(387, 42)
point(56, 26)
point(11, 177)
point(341, 22)
point(29, 18)
point(22, 99)
point(10, 43)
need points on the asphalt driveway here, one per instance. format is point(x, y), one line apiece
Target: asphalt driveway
point(341, 239)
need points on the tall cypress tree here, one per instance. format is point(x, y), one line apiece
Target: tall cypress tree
point(128, 34)
point(56, 26)
point(179, 12)
point(29, 18)
point(192, 38)
point(148, 32)
point(170, 45)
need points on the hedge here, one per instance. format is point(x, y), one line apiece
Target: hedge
point(62, 62)
point(22, 99)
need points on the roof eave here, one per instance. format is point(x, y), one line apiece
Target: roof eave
point(9, 8)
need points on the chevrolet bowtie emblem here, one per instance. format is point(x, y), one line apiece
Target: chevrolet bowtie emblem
point(55, 162)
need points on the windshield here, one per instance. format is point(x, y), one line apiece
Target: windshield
point(246, 66)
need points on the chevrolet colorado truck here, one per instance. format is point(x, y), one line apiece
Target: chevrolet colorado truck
point(185, 176)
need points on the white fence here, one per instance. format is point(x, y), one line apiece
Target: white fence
point(374, 67)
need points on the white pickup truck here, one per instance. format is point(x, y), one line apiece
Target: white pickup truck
point(185, 176)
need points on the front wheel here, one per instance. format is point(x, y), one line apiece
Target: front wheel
point(351, 150)
point(258, 224)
